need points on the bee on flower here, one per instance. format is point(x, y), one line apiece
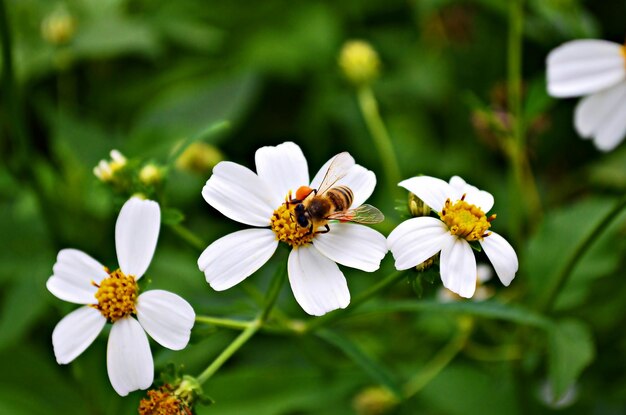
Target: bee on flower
point(462, 220)
point(596, 70)
point(320, 219)
point(113, 296)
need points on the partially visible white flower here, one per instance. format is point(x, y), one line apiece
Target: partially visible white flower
point(113, 296)
point(258, 199)
point(462, 210)
point(595, 69)
point(484, 273)
point(546, 395)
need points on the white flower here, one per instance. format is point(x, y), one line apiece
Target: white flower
point(461, 208)
point(595, 69)
point(258, 200)
point(112, 296)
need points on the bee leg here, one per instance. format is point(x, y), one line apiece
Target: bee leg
point(325, 230)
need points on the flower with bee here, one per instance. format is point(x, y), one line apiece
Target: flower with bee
point(322, 220)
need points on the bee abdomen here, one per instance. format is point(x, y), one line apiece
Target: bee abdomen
point(341, 197)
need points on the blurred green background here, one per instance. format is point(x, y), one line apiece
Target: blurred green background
point(141, 76)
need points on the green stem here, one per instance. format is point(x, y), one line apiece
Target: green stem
point(440, 361)
point(382, 140)
point(224, 322)
point(583, 246)
point(251, 329)
point(13, 105)
point(525, 186)
point(229, 351)
point(356, 301)
point(188, 236)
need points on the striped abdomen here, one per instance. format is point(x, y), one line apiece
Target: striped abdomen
point(341, 197)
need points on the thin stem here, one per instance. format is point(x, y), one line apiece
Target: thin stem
point(188, 236)
point(251, 329)
point(382, 140)
point(229, 351)
point(224, 322)
point(13, 105)
point(358, 300)
point(440, 361)
point(583, 246)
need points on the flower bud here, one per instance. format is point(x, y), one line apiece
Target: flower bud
point(359, 62)
point(417, 207)
point(103, 171)
point(199, 158)
point(150, 174)
point(374, 401)
point(58, 27)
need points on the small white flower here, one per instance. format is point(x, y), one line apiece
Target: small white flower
point(113, 296)
point(595, 69)
point(258, 199)
point(461, 208)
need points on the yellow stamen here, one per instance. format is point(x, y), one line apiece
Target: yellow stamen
point(465, 220)
point(116, 296)
point(162, 402)
point(287, 230)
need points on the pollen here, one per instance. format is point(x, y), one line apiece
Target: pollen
point(287, 230)
point(465, 220)
point(116, 296)
point(161, 402)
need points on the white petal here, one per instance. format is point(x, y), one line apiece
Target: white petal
point(239, 194)
point(283, 168)
point(458, 268)
point(316, 281)
point(502, 257)
point(72, 278)
point(603, 116)
point(352, 245)
point(359, 179)
point(75, 332)
point(431, 190)
point(415, 240)
point(473, 195)
point(362, 183)
point(234, 257)
point(136, 234)
point(321, 173)
point(129, 359)
point(166, 317)
point(583, 67)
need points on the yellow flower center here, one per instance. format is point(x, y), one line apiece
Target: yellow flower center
point(162, 402)
point(287, 230)
point(116, 296)
point(465, 220)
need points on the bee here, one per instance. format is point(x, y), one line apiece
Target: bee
point(316, 207)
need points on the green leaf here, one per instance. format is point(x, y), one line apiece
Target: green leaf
point(374, 369)
point(486, 309)
point(571, 349)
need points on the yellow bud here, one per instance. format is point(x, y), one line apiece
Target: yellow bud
point(103, 171)
point(359, 62)
point(58, 27)
point(417, 207)
point(199, 158)
point(118, 161)
point(374, 401)
point(150, 174)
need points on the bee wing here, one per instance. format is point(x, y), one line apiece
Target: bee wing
point(367, 214)
point(337, 170)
